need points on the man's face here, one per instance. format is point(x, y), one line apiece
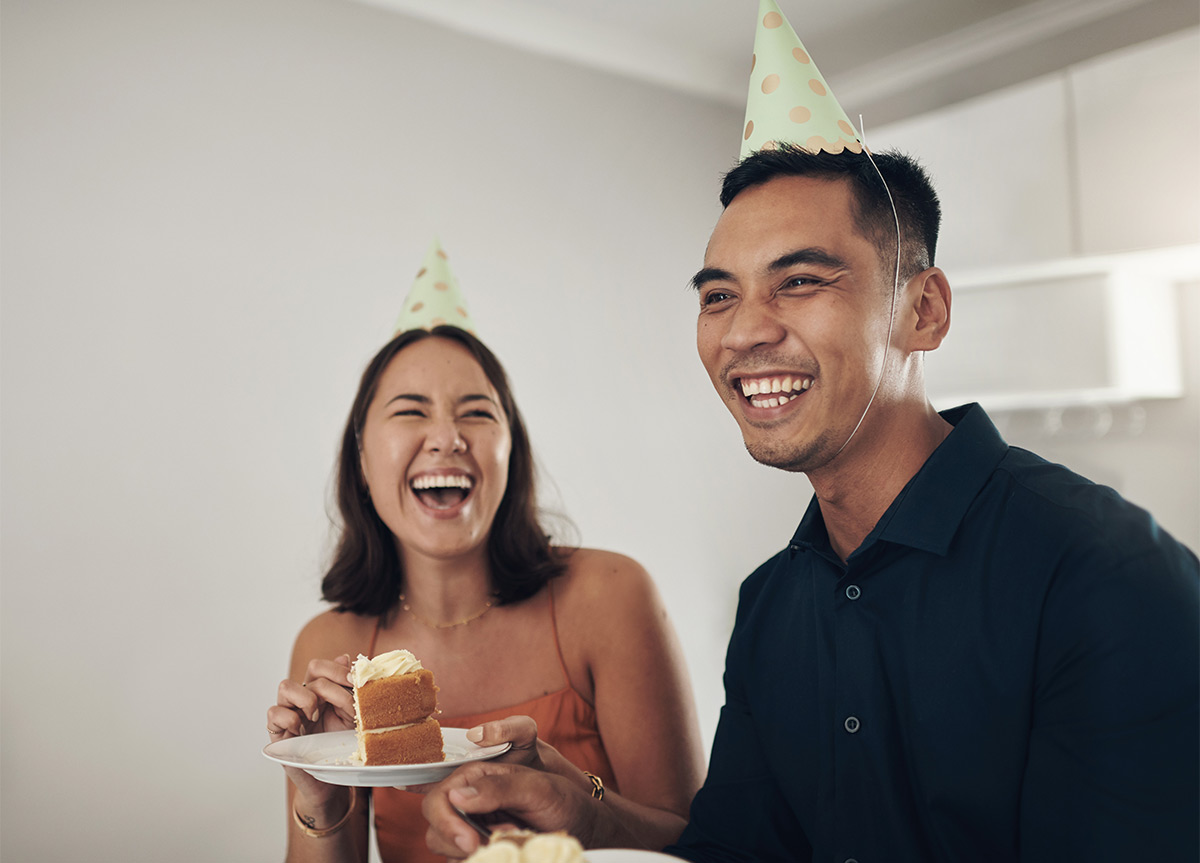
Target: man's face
point(794, 311)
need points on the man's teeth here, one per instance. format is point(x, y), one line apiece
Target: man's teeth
point(454, 481)
point(774, 391)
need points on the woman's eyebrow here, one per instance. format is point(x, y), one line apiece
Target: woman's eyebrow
point(411, 397)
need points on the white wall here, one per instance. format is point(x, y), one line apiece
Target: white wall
point(1096, 160)
point(211, 213)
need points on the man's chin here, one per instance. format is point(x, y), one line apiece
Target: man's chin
point(789, 458)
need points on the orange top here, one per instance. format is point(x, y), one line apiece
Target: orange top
point(565, 720)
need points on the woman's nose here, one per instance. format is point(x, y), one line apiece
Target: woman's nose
point(444, 436)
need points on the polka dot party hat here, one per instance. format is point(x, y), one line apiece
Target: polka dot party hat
point(789, 101)
point(434, 297)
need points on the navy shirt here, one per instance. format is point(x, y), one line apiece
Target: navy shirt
point(1006, 669)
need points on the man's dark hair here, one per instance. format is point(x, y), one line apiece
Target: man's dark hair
point(366, 575)
point(917, 204)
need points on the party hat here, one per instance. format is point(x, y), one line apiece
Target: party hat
point(789, 100)
point(434, 297)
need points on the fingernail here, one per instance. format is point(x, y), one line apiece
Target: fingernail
point(465, 793)
point(316, 714)
point(475, 734)
point(463, 841)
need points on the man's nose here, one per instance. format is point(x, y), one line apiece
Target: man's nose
point(753, 324)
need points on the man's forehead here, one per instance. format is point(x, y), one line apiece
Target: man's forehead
point(804, 207)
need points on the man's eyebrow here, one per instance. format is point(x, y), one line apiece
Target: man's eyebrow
point(806, 256)
point(710, 274)
point(799, 257)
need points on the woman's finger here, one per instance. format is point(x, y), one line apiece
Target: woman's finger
point(520, 731)
point(297, 696)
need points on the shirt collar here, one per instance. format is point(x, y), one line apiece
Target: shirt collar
point(927, 512)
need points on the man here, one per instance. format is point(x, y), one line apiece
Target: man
point(965, 652)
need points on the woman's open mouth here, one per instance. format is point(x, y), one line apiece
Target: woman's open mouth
point(442, 491)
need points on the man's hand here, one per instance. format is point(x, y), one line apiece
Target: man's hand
point(514, 796)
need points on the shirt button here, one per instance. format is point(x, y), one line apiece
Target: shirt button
point(851, 724)
point(852, 592)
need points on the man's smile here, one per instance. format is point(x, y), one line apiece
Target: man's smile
point(773, 391)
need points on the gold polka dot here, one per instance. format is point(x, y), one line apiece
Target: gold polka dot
point(853, 146)
point(770, 84)
point(749, 130)
point(846, 127)
point(422, 272)
point(416, 307)
point(437, 322)
point(770, 145)
point(816, 144)
point(441, 286)
point(753, 61)
point(772, 20)
point(799, 54)
point(461, 310)
point(817, 87)
point(800, 114)
point(441, 254)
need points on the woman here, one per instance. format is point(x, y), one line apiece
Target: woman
point(441, 554)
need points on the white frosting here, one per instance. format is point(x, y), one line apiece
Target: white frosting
point(523, 846)
point(383, 665)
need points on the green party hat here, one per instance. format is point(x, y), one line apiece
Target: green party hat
point(789, 101)
point(434, 297)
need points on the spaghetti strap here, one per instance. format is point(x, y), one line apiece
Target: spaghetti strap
point(374, 635)
point(562, 663)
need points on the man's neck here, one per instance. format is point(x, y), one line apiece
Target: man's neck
point(857, 488)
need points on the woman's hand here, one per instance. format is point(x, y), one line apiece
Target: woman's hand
point(521, 732)
point(324, 701)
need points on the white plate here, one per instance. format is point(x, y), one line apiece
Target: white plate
point(327, 757)
point(627, 855)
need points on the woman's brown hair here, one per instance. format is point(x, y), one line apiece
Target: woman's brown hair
point(366, 574)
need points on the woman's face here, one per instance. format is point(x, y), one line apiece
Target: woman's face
point(435, 448)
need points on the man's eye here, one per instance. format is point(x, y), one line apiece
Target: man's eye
point(713, 297)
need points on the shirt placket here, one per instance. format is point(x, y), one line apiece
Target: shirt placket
point(853, 714)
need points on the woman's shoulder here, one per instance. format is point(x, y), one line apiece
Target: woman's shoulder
point(596, 580)
point(332, 633)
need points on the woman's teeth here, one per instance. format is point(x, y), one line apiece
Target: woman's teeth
point(774, 392)
point(439, 481)
point(442, 492)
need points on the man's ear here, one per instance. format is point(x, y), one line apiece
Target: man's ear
point(929, 293)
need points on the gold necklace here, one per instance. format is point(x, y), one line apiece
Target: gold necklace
point(434, 625)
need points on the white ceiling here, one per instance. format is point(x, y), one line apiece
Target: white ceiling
point(884, 58)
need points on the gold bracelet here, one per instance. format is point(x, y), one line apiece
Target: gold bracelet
point(597, 785)
point(309, 830)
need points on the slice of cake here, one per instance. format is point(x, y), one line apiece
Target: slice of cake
point(394, 701)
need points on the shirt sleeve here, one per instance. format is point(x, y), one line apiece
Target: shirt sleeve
point(1113, 768)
